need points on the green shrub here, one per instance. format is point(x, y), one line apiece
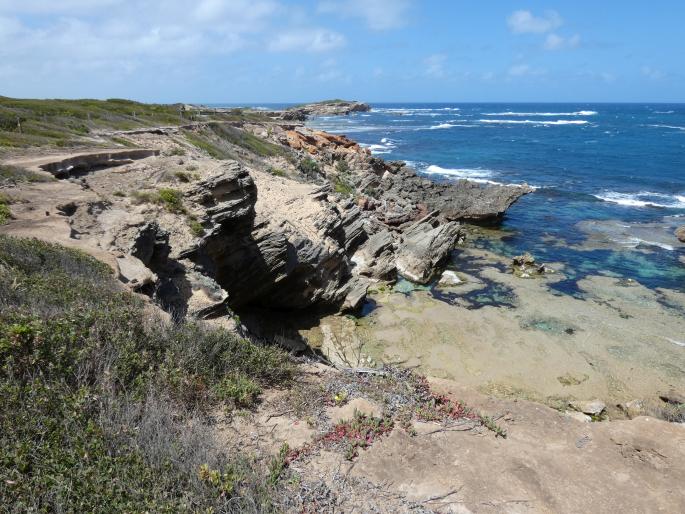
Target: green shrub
point(309, 167)
point(5, 214)
point(120, 194)
point(277, 172)
point(342, 167)
point(196, 227)
point(239, 390)
point(182, 176)
point(172, 199)
point(342, 186)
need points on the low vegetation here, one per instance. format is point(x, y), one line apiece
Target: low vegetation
point(171, 199)
point(202, 140)
point(11, 175)
point(105, 408)
point(64, 123)
point(244, 139)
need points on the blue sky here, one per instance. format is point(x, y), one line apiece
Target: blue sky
point(375, 50)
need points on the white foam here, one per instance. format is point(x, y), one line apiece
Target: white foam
point(674, 127)
point(458, 172)
point(644, 199)
point(441, 126)
point(510, 113)
point(663, 112)
point(537, 122)
point(386, 146)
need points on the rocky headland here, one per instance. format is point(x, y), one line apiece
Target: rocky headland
point(244, 219)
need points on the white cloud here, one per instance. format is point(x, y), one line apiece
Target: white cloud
point(308, 40)
point(522, 70)
point(557, 42)
point(377, 14)
point(522, 22)
point(651, 73)
point(54, 6)
point(435, 65)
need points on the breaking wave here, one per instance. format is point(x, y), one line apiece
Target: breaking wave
point(509, 113)
point(536, 122)
point(643, 199)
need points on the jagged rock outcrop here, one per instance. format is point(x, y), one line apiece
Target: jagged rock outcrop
point(265, 260)
point(425, 245)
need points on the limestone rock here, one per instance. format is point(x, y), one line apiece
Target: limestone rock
point(426, 244)
point(592, 408)
point(578, 416)
point(449, 278)
point(376, 258)
point(226, 197)
point(633, 408)
point(134, 273)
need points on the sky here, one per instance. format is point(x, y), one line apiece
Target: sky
point(258, 51)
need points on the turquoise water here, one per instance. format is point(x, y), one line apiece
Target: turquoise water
point(610, 178)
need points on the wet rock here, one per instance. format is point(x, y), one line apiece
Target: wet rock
point(592, 407)
point(524, 266)
point(425, 245)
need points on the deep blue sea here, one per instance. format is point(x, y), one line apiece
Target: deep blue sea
point(610, 178)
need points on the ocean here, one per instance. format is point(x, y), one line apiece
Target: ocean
point(609, 178)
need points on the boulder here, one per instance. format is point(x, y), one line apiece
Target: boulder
point(376, 258)
point(633, 408)
point(425, 245)
point(134, 273)
point(449, 278)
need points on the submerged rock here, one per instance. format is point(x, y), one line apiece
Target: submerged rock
point(524, 266)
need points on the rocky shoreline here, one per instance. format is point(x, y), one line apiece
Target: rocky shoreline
point(250, 222)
